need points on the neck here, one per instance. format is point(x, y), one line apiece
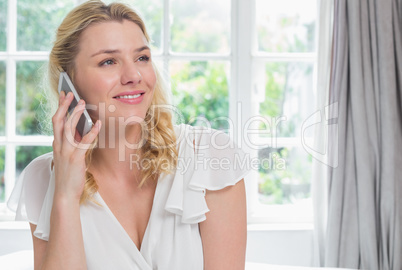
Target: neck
point(118, 152)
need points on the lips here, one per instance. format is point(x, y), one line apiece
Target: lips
point(131, 97)
point(128, 96)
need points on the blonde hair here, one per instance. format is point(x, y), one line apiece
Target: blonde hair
point(159, 150)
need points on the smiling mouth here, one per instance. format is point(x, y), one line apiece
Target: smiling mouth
point(129, 96)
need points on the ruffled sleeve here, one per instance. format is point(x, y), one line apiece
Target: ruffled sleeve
point(208, 160)
point(32, 196)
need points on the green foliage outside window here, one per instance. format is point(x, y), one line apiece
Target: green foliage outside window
point(33, 116)
point(200, 89)
point(200, 26)
point(279, 31)
point(2, 180)
point(25, 154)
point(285, 176)
point(278, 185)
point(2, 98)
point(37, 22)
point(3, 24)
point(291, 182)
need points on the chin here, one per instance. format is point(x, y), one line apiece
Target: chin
point(133, 119)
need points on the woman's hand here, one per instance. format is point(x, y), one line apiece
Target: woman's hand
point(69, 149)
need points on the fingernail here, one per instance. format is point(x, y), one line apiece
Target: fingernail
point(69, 94)
point(81, 102)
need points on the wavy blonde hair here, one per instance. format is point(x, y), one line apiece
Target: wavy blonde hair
point(159, 148)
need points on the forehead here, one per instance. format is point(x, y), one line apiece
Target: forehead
point(112, 34)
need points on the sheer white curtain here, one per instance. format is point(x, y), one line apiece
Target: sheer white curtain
point(321, 160)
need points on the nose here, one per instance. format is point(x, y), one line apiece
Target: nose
point(130, 74)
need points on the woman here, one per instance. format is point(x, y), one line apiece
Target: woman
point(98, 202)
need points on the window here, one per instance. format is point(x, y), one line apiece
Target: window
point(284, 67)
point(26, 32)
point(227, 59)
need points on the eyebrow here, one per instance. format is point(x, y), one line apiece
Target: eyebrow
point(143, 48)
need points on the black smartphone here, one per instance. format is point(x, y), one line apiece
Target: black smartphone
point(85, 123)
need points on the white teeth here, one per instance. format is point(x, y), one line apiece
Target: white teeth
point(129, 96)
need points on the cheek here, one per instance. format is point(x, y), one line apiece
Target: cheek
point(83, 84)
point(150, 76)
point(93, 87)
point(152, 84)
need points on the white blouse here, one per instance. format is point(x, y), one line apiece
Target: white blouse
point(208, 160)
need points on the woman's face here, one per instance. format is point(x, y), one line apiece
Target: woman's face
point(114, 72)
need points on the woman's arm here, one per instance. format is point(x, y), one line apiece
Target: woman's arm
point(65, 249)
point(39, 247)
point(224, 232)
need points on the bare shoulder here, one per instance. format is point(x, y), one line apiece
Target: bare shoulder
point(224, 232)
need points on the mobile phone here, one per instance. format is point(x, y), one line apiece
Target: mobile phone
point(85, 122)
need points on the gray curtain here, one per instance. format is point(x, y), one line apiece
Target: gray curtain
point(364, 225)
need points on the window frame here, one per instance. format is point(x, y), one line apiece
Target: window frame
point(248, 72)
point(243, 59)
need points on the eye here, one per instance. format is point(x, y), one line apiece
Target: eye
point(143, 58)
point(107, 62)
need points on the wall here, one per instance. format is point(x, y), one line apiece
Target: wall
point(283, 246)
point(14, 236)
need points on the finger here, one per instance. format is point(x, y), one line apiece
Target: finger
point(71, 123)
point(77, 136)
point(88, 139)
point(59, 117)
point(62, 96)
